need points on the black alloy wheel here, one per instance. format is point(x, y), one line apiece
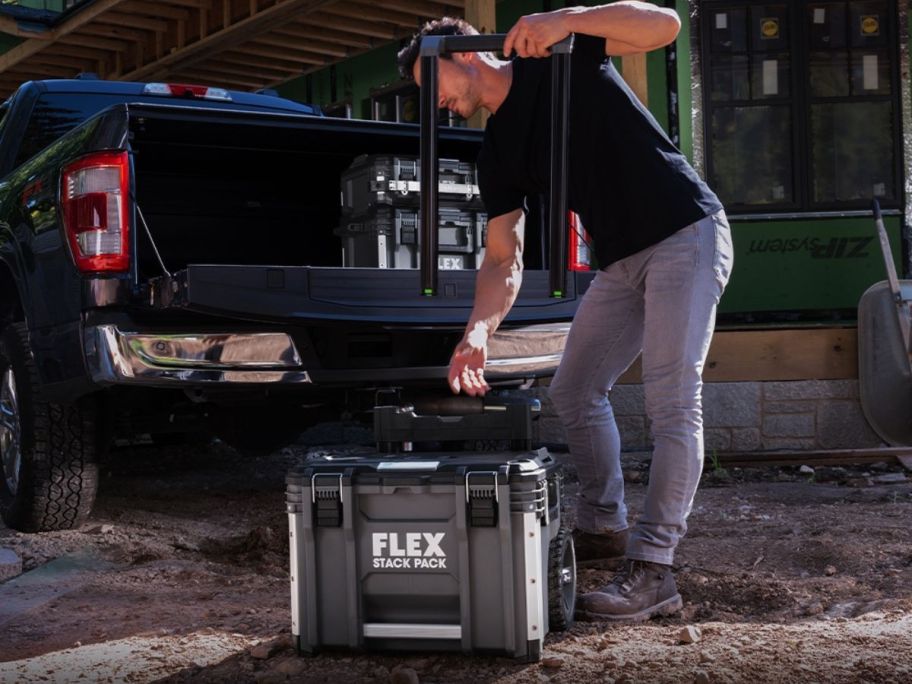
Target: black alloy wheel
point(561, 581)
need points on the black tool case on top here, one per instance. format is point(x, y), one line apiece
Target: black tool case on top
point(375, 181)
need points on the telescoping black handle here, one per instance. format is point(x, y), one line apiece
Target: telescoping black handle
point(432, 48)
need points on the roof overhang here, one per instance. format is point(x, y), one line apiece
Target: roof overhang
point(238, 44)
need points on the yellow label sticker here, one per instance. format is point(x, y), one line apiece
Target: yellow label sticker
point(870, 25)
point(769, 28)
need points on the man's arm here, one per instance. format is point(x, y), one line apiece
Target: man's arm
point(496, 287)
point(628, 27)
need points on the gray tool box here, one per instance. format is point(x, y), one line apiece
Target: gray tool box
point(446, 551)
point(388, 238)
point(374, 181)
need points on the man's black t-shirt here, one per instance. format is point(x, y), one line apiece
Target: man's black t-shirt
point(629, 184)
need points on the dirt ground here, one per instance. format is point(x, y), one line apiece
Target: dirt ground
point(181, 575)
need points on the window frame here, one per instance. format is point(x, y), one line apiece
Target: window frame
point(801, 99)
point(401, 89)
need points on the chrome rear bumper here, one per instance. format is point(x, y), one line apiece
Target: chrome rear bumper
point(117, 356)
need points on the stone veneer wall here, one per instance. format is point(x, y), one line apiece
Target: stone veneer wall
point(749, 416)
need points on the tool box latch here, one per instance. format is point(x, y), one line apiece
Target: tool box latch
point(327, 500)
point(482, 498)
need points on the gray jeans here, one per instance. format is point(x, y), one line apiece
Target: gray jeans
point(661, 302)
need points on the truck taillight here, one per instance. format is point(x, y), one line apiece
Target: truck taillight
point(579, 254)
point(187, 90)
point(93, 195)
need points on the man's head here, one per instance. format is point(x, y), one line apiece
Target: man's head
point(458, 85)
point(445, 26)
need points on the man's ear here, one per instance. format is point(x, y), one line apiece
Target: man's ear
point(465, 57)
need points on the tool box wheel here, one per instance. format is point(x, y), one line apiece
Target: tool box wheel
point(561, 581)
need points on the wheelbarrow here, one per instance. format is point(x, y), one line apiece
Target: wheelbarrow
point(885, 352)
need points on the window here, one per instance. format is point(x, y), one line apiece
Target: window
point(802, 107)
point(338, 110)
point(395, 103)
point(400, 102)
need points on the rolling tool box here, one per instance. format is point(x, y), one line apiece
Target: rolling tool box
point(388, 238)
point(440, 550)
point(443, 550)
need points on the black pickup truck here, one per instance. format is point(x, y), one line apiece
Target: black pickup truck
point(168, 262)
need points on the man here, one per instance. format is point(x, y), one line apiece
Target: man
point(664, 249)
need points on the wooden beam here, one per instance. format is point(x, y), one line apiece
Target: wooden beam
point(776, 355)
point(297, 57)
point(285, 64)
point(420, 8)
point(80, 52)
point(259, 49)
point(296, 44)
point(181, 34)
point(12, 27)
point(364, 28)
point(37, 71)
point(134, 21)
point(482, 15)
point(321, 33)
point(76, 21)
point(834, 457)
point(157, 9)
point(194, 4)
point(304, 45)
point(229, 36)
point(222, 67)
point(95, 42)
point(60, 60)
point(86, 15)
point(633, 69)
point(375, 14)
point(115, 32)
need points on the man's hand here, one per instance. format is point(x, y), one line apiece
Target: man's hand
point(467, 365)
point(629, 27)
point(534, 34)
point(498, 281)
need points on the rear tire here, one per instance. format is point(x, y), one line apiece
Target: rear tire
point(47, 450)
point(561, 581)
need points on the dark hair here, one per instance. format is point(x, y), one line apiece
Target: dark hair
point(445, 26)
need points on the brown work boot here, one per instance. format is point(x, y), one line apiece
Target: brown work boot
point(600, 549)
point(638, 592)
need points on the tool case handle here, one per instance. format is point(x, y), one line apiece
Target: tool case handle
point(432, 48)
